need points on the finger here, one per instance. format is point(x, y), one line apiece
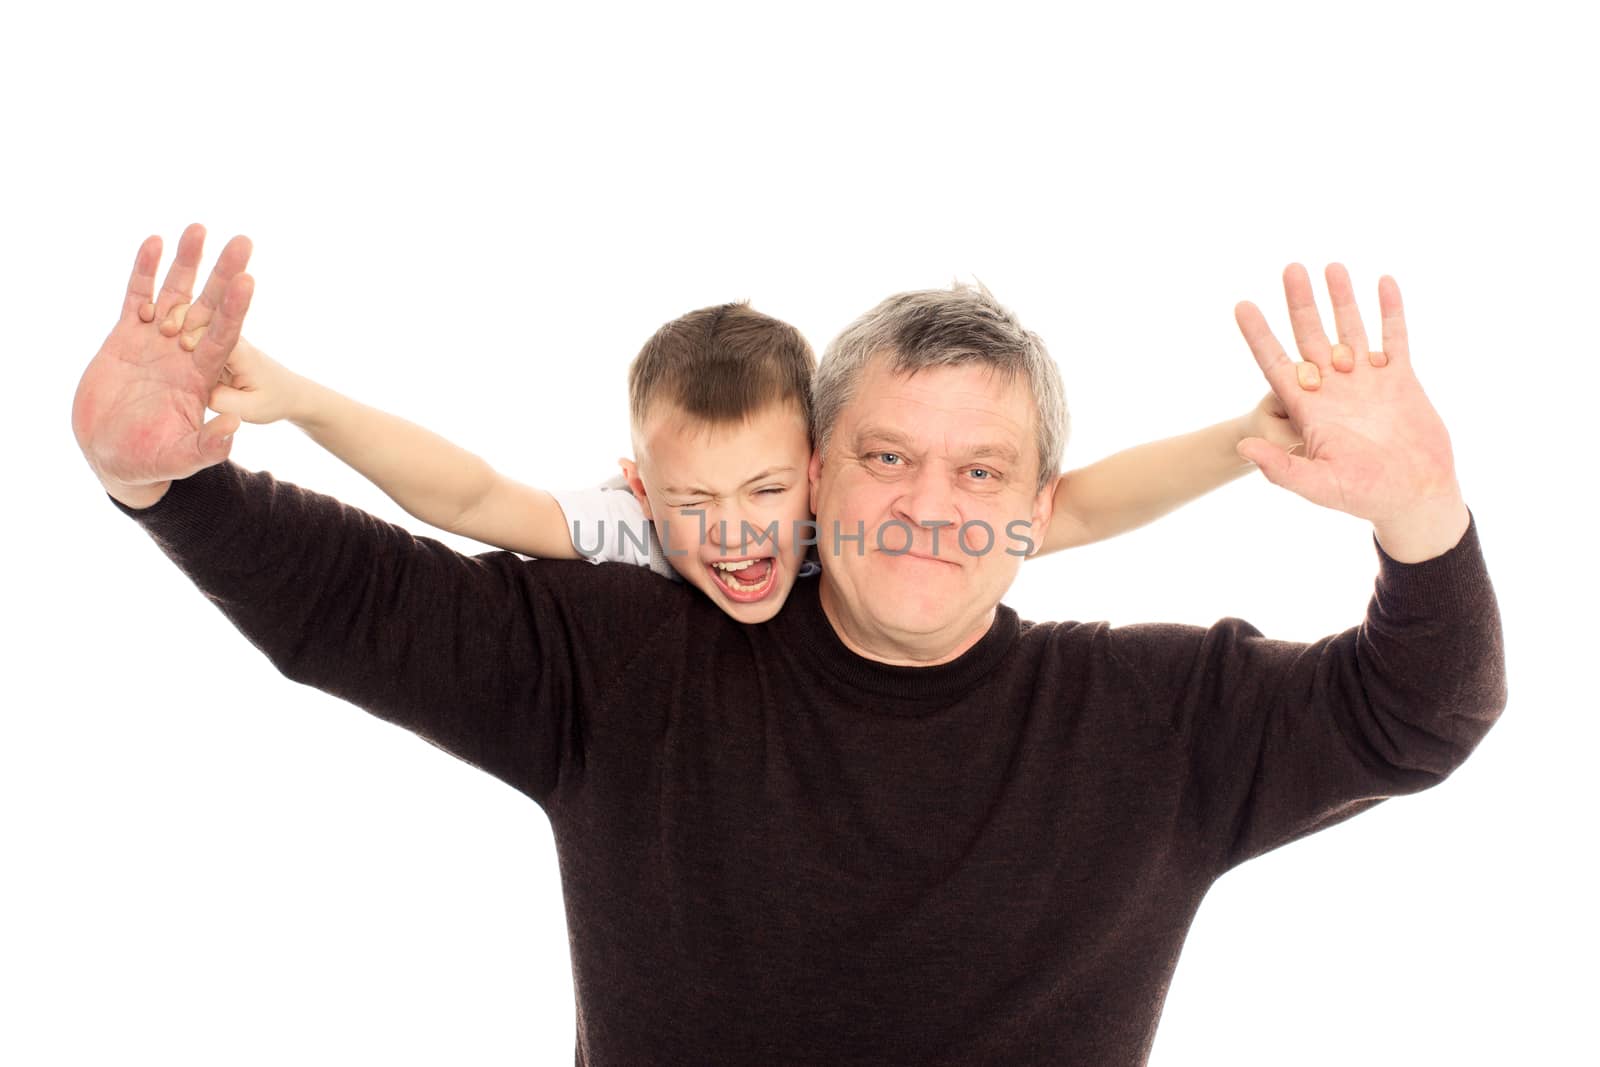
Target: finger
point(1346, 315)
point(225, 400)
point(1278, 368)
point(223, 332)
point(1395, 345)
point(142, 283)
point(179, 286)
point(173, 322)
point(147, 313)
point(1308, 333)
point(235, 256)
point(1377, 357)
point(1300, 476)
point(1344, 360)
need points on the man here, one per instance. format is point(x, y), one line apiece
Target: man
point(895, 824)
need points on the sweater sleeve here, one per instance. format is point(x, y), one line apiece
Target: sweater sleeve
point(492, 658)
point(1281, 739)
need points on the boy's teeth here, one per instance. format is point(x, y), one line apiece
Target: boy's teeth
point(734, 582)
point(730, 571)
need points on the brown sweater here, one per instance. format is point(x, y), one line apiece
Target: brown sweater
point(774, 851)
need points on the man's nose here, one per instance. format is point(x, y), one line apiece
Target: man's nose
point(929, 501)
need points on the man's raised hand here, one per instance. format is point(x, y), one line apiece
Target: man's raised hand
point(139, 412)
point(1374, 445)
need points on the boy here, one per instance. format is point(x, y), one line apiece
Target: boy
point(716, 493)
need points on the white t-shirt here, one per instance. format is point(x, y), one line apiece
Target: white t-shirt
point(607, 525)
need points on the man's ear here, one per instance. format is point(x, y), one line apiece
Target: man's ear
point(1044, 509)
point(630, 471)
point(813, 474)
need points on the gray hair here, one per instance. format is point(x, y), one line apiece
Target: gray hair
point(960, 326)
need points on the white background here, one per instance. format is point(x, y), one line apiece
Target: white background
point(474, 215)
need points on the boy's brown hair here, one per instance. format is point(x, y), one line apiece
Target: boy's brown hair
point(722, 364)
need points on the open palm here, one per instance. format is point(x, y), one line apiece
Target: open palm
point(139, 412)
point(1374, 445)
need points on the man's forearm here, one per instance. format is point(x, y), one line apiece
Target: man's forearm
point(1286, 738)
point(441, 644)
point(1139, 485)
point(431, 478)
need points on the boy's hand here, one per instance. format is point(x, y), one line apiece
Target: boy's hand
point(253, 386)
point(1343, 359)
point(257, 388)
point(1267, 420)
point(1270, 420)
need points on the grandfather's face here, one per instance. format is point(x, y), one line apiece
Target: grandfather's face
point(938, 470)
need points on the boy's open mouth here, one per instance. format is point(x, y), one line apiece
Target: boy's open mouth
point(747, 580)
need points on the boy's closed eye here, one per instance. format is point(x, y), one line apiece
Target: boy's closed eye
point(771, 490)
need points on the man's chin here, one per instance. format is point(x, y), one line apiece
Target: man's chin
point(922, 581)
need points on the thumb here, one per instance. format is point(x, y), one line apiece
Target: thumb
point(243, 403)
point(1302, 477)
point(206, 447)
point(1272, 461)
point(215, 439)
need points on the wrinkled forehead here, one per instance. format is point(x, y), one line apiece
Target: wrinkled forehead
point(962, 408)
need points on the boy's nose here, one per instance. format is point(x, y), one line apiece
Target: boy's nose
point(722, 526)
point(730, 529)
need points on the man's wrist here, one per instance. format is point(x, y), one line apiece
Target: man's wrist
point(1427, 531)
point(137, 497)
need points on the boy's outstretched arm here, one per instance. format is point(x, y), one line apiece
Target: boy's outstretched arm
point(1139, 485)
point(434, 480)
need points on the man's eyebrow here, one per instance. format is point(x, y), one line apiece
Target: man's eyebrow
point(995, 451)
point(987, 450)
point(885, 435)
point(695, 490)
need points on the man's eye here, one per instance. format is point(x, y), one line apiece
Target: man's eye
point(888, 459)
point(772, 490)
point(981, 474)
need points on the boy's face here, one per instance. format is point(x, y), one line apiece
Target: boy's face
point(749, 481)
